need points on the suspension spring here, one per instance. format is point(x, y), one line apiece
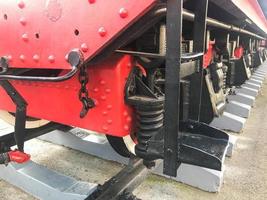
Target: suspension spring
point(149, 125)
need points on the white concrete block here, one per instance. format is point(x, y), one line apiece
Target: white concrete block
point(230, 122)
point(231, 146)
point(257, 81)
point(239, 109)
point(256, 76)
point(251, 85)
point(199, 177)
point(242, 98)
point(247, 91)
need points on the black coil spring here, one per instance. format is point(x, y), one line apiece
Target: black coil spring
point(149, 123)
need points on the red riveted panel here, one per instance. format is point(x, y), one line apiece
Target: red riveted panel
point(59, 101)
point(52, 28)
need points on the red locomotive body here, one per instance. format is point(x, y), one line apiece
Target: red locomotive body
point(59, 102)
point(149, 74)
point(36, 37)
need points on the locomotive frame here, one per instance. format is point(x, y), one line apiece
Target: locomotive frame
point(168, 144)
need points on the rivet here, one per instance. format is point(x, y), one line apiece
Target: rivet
point(9, 58)
point(103, 97)
point(91, 1)
point(22, 58)
point(104, 112)
point(109, 121)
point(21, 4)
point(102, 82)
point(96, 102)
point(105, 128)
point(125, 113)
point(67, 57)
point(126, 128)
point(108, 90)
point(25, 37)
point(23, 21)
point(36, 58)
point(84, 47)
point(102, 31)
point(109, 107)
point(96, 89)
point(123, 13)
point(129, 119)
point(51, 58)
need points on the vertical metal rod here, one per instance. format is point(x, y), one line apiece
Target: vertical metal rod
point(238, 41)
point(20, 118)
point(172, 87)
point(228, 42)
point(199, 46)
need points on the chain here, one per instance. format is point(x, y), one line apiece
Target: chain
point(87, 102)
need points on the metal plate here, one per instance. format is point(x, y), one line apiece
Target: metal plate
point(59, 102)
point(39, 34)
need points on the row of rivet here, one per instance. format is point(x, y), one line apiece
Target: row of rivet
point(102, 32)
point(36, 58)
point(84, 47)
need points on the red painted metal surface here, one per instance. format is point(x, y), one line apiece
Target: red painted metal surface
point(40, 33)
point(239, 52)
point(208, 55)
point(59, 101)
point(252, 9)
point(18, 156)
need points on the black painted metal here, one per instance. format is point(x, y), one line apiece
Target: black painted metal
point(172, 87)
point(148, 103)
point(198, 46)
point(20, 117)
point(121, 185)
point(8, 140)
point(203, 145)
point(74, 58)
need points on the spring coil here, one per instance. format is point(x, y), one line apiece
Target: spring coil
point(224, 79)
point(149, 123)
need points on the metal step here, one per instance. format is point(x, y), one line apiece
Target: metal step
point(203, 145)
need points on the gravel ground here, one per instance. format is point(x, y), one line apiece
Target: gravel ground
point(245, 174)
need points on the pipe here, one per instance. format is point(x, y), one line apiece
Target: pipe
point(187, 15)
point(74, 58)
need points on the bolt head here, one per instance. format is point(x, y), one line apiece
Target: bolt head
point(84, 47)
point(36, 58)
point(123, 13)
point(22, 58)
point(21, 4)
point(9, 58)
point(23, 21)
point(25, 37)
point(102, 31)
point(51, 59)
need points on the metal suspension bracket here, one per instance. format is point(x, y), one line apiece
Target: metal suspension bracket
point(20, 135)
point(17, 156)
point(20, 115)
